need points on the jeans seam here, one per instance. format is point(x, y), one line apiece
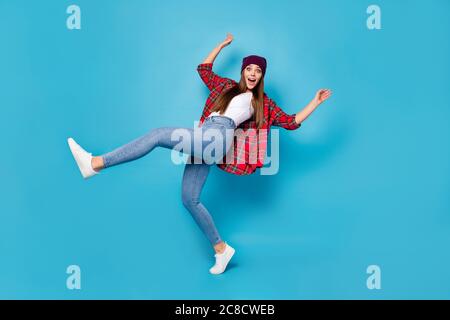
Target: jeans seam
point(195, 180)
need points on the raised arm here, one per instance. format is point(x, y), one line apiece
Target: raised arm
point(294, 121)
point(213, 54)
point(211, 79)
point(281, 118)
point(321, 96)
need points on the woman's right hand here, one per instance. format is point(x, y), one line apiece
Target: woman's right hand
point(227, 40)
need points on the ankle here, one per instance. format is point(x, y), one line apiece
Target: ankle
point(220, 247)
point(97, 163)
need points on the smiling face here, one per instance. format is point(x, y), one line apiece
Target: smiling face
point(252, 75)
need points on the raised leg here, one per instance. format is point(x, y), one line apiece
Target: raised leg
point(139, 147)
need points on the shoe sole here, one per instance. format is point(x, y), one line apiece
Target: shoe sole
point(73, 146)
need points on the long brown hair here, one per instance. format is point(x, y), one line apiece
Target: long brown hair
point(225, 97)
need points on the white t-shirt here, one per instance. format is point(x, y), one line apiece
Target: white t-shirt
point(239, 109)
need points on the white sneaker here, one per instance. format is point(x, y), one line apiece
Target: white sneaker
point(222, 260)
point(83, 159)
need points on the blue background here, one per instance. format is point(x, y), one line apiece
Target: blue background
point(364, 181)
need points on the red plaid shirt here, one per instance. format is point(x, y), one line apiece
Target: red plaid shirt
point(250, 143)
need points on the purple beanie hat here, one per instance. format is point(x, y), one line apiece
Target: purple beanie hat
point(259, 61)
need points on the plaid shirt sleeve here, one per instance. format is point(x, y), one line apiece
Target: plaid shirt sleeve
point(282, 119)
point(211, 79)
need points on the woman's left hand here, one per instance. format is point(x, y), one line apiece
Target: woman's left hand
point(322, 95)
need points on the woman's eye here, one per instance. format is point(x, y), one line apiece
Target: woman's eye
point(259, 71)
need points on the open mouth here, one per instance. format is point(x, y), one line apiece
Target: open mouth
point(251, 81)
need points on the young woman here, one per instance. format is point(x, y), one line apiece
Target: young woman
point(229, 106)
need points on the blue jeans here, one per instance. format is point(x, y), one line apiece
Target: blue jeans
point(196, 169)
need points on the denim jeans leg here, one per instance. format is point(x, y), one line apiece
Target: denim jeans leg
point(169, 138)
point(194, 178)
point(142, 145)
point(194, 175)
